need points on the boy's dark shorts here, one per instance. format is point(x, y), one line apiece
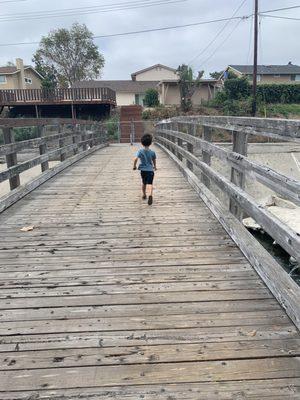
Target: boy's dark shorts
point(147, 177)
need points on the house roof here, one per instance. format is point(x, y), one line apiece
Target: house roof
point(209, 80)
point(152, 66)
point(268, 69)
point(123, 86)
point(10, 70)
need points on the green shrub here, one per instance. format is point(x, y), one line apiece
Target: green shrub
point(279, 93)
point(238, 88)
point(151, 98)
point(112, 126)
point(237, 107)
point(25, 133)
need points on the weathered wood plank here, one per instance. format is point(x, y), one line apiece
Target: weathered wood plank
point(283, 235)
point(208, 371)
point(179, 303)
point(11, 198)
point(283, 287)
point(149, 354)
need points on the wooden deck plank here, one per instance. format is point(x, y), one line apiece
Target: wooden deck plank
point(109, 298)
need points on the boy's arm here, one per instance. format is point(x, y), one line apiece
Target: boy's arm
point(154, 163)
point(135, 162)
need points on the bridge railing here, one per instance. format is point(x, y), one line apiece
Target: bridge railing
point(60, 142)
point(188, 141)
point(39, 96)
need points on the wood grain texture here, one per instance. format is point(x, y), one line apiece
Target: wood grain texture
point(108, 298)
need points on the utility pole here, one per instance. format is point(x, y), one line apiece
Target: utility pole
point(254, 103)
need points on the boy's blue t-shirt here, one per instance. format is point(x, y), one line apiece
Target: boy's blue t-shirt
point(146, 157)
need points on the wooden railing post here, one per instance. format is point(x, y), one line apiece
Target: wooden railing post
point(189, 146)
point(179, 141)
point(43, 148)
point(240, 145)
point(206, 157)
point(83, 136)
point(61, 143)
point(75, 138)
point(11, 159)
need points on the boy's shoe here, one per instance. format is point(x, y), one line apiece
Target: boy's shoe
point(144, 197)
point(150, 200)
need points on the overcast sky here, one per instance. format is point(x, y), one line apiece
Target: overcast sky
point(279, 42)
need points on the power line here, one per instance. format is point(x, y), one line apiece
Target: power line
point(140, 31)
point(280, 9)
point(11, 1)
point(280, 17)
point(86, 10)
point(218, 33)
point(223, 42)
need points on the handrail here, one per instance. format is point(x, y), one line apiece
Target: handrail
point(179, 138)
point(65, 146)
point(282, 129)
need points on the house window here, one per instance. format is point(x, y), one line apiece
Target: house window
point(2, 79)
point(28, 81)
point(258, 78)
point(295, 78)
point(277, 76)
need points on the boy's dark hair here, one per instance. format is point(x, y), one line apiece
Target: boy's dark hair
point(146, 140)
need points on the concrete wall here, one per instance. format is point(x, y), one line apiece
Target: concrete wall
point(156, 74)
point(172, 95)
point(125, 99)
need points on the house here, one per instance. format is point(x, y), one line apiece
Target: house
point(19, 76)
point(160, 77)
point(156, 72)
point(267, 73)
point(127, 92)
point(133, 91)
point(169, 92)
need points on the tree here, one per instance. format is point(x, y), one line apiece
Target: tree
point(216, 74)
point(187, 85)
point(151, 98)
point(67, 56)
point(48, 72)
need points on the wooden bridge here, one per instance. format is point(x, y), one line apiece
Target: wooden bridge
point(104, 297)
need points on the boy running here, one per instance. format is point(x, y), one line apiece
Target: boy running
point(147, 166)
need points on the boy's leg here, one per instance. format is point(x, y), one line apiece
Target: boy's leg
point(150, 198)
point(151, 189)
point(143, 185)
point(144, 190)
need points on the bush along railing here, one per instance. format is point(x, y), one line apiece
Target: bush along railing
point(180, 138)
point(66, 143)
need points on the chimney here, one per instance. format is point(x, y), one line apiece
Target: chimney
point(290, 63)
point(20, 67)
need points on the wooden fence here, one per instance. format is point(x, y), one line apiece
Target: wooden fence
point(188, 141)
point(71, 141)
